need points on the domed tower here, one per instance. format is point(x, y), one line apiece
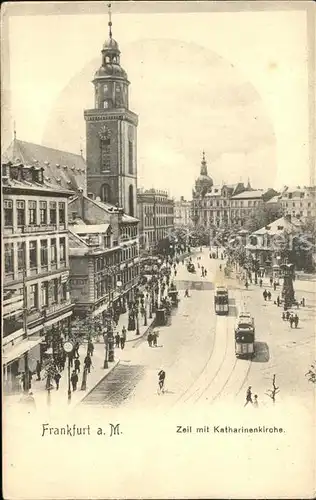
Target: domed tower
point(203, 183)
point(111, 133)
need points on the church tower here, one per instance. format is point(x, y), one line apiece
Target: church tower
point(111, 133)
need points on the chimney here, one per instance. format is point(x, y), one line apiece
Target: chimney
point(91, 196)
point(81, 203)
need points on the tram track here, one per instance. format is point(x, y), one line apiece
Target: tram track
point(218, 369)
point(199, 374)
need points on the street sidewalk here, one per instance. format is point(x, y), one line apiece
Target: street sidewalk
point(59, 398)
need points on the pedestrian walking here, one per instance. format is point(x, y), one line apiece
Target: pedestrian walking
point(260, 283)
point(155, 337)
point(247, 285)
point(287, 315)
point(150, 339)
point(161, 380)
point(269, 295)
point(77, 365)
point(265, 294)
point(76, 349)
point(274, 286)
point(291, 319)
point(117, 340)
point(57, 378)
point(124, 332)
point(248, 396)
point(74, 380)
point(255, 401)
point(122, 341)
point(205, 272)
point(186, 293)
point(271, 281)
point(278, 301)
point(38, 369)
point(90, 348)
point(303, 302)
point(87, 363)
point(296, 320)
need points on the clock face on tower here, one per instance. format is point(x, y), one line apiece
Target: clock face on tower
point(104, 133)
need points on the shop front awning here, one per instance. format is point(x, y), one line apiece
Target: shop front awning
point(15, 352)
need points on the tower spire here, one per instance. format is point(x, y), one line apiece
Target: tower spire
point(14, 130)
point(203, 164)
point(110, 20)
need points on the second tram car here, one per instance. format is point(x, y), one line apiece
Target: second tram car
point(245, 336)
point(221, 300)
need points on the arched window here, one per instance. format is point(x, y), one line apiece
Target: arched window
point(131, 200)
point(105, 145)
point(106, 193)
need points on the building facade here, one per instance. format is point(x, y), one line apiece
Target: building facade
point(36, 300)
point(299, 202)
point(182, 213)
point(104, 255)
point(245, 204)
point(226, 205)
point(111, 134)
point(156, 216)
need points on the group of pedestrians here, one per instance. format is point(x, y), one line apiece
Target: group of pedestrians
point(120, 339)
point(249, 399)
point(267, 295)
point(292, 318)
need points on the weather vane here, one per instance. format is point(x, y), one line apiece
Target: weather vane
point(110, 21)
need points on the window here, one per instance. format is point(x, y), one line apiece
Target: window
point(53, 251)
point(33, 254)
point(62, 214)
point(105, 154)
point(106, 193)
point(32, 213)
point(21, 256)
point(62, 249)
point(32, 297)
point(63, 292)
point(43, 212)
point(130, 157)
point(20, 209)
point(8, 258)
point(8, 213)
point(52, 212)
point(55, 286)
point(44, 293)
point(44, 256)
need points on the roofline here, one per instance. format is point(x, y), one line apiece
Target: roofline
point(37, 190)
point(47, 147)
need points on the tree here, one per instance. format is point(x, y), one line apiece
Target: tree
point(262, 216)
point(273, 392)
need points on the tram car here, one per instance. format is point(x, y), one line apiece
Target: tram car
point(245, 336)
point(221, 300)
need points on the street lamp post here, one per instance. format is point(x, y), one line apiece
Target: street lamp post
point(137, 320)
point(145, 315)
point(68, 348)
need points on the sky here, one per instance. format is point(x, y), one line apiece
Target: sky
point(231, 83)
